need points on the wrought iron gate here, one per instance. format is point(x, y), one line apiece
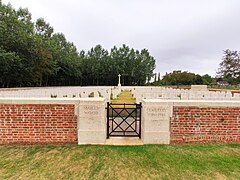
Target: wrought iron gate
point(124, 120)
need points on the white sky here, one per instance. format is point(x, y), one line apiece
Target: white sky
point(181, 34)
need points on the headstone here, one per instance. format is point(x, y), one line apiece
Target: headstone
point(199, 87)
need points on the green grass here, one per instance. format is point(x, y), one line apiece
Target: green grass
point(124, 97)
point(120, 162)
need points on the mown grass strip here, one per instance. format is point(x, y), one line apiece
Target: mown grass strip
point(120, 162)
point(124, 97)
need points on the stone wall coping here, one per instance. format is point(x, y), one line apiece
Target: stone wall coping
point(195, 103)
point(48, 100)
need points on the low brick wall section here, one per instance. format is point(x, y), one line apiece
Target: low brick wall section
point(205, 125)
point(37, 124)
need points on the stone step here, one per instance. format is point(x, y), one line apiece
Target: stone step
point(124, 141)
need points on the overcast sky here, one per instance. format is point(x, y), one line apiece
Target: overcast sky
point(188, 35)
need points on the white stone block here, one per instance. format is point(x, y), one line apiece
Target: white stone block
point(156, 121)
point(92, 121)
point(156, 137)
point(199, 87)
point(91, 137)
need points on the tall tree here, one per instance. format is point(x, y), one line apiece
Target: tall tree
point(67, 61)
point(92, 66)
point(17, 35)
point(45, 65)
point(230, 66)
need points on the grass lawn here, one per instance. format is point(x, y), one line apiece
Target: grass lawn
point(124, 97)
point(120, 162)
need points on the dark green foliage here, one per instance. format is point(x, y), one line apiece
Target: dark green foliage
point(32, 55)
point(182, 78)
point(207, 80)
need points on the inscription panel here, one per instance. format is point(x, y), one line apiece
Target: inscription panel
point(91, 117)
point(157, 112)
point(90, 110)
point(157, 118)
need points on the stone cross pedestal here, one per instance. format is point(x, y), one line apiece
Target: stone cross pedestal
point(119, 80)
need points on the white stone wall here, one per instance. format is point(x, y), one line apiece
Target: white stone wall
point(182, 94)
point(139, 92)
point(59, 92)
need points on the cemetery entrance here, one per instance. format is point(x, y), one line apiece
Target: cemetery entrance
point(123, 120)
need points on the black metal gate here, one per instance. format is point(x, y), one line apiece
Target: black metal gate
point(124, 120)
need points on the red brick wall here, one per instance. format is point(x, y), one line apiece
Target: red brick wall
point(37, 124)
point(205, 125)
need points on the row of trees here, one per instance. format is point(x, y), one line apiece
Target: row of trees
point(31, 54)
point(182, 78)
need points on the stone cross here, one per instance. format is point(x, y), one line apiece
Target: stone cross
point(119, 80)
